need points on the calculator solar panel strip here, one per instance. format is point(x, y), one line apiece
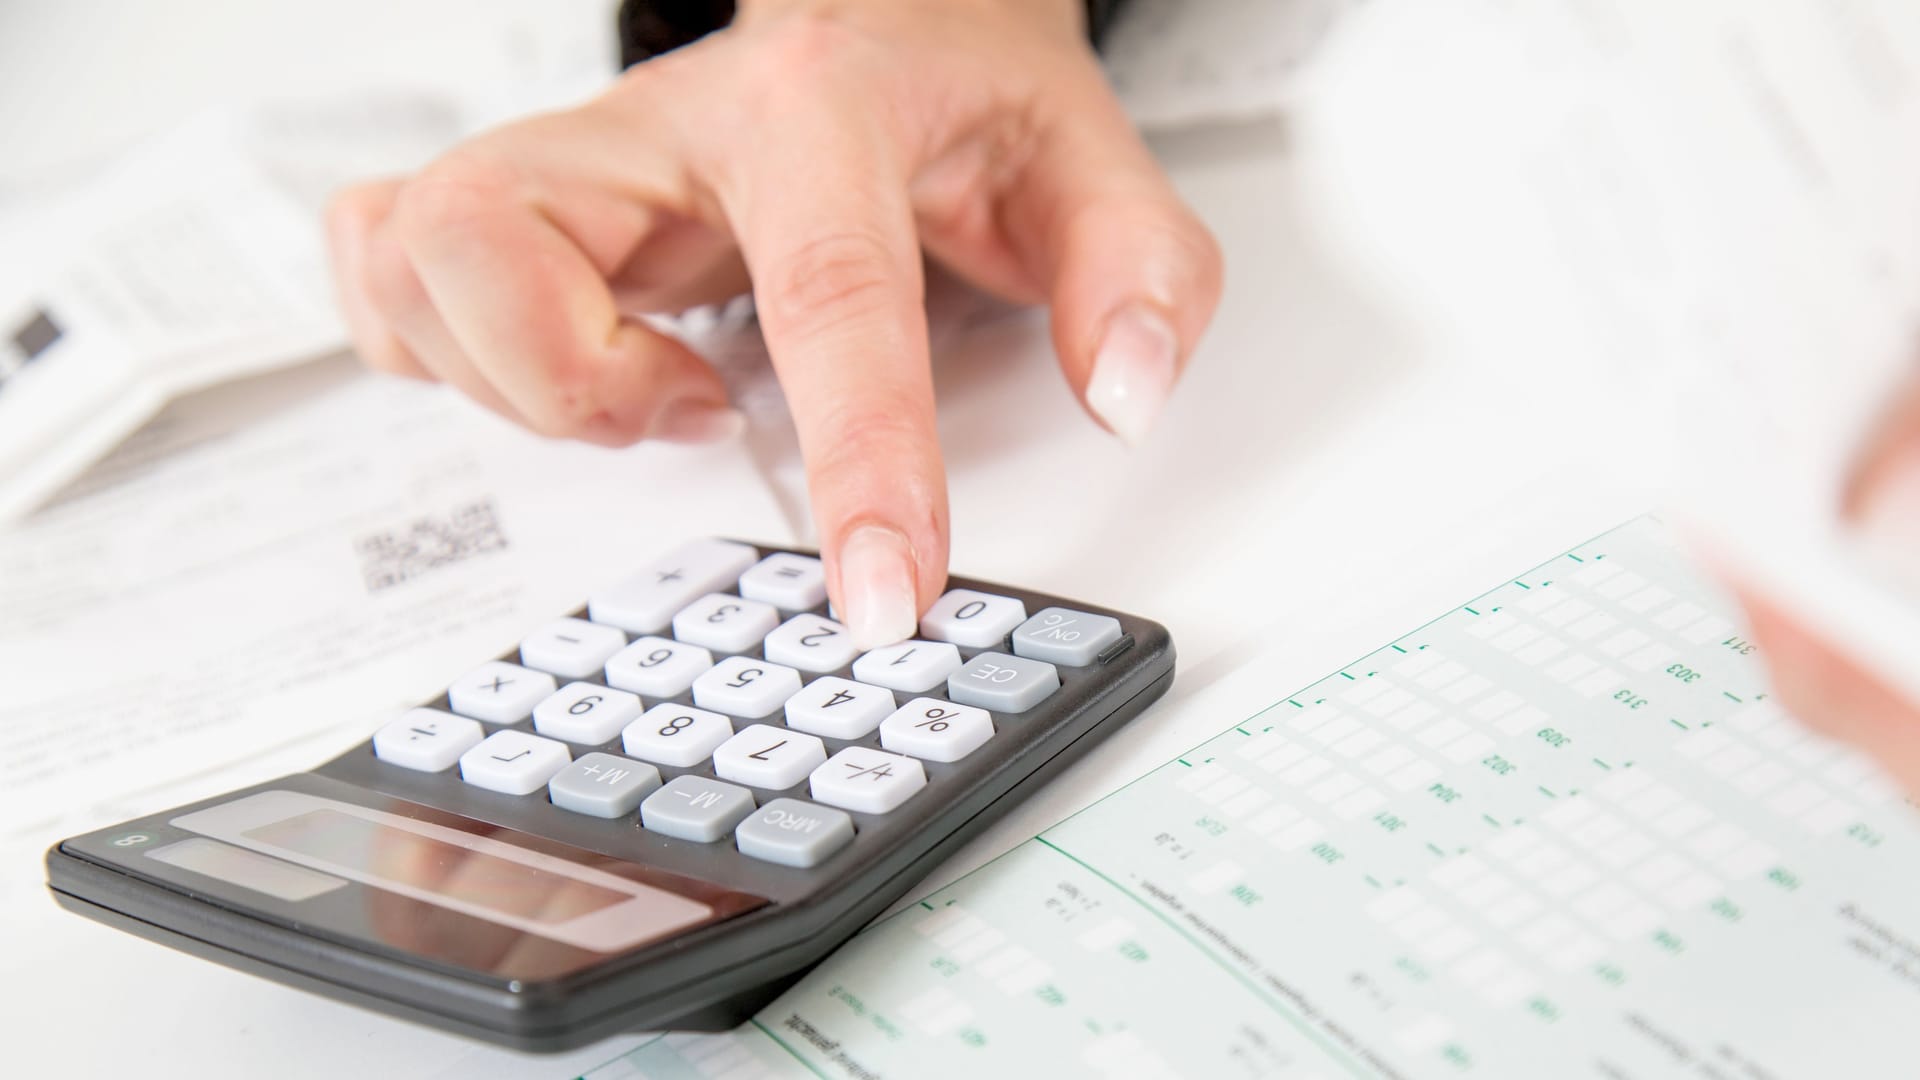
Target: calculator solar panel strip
point(738, 930)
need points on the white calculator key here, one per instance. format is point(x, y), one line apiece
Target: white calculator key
point(584, 712)
point(499, 692)
point(645, 603)
point(839, 708)
point(657, 667)
point(936, 730)
point(743, 686)
point(768, 757)
point(571, 648)
point(426, 739)
point(790, 582)
point(866, 781)
point(513, 762)
point(677, 735)
point(975, 619)
point(911, 667)
point(811, 643)
point(725, 623)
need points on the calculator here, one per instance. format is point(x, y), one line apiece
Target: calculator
point(655, 813)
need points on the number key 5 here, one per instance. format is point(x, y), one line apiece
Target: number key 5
point(745, 687)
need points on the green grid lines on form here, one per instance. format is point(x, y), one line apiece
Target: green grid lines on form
point(1558, 832)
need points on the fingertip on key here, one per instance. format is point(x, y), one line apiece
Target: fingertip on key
point(877, 584)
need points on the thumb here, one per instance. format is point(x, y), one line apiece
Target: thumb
point(1883, 498)
point(1829, 691)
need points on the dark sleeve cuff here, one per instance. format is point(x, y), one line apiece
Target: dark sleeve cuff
point(651, 27)
point(1100, 17)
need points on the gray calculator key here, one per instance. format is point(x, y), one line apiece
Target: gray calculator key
point(696, 808)
point(1064, 636)
point(602, 785)
point(793, 833)
point(1003, 683)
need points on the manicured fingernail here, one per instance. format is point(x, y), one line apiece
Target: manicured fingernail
point(876, 580)
point(698, 422)
point(1133, 372)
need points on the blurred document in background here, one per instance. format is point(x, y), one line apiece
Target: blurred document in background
point(192, 261)
point(1709, 212)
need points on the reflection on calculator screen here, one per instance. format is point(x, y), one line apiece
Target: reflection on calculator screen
point(501, 885)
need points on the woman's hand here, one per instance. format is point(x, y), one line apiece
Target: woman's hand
point(812, 150)
point(1818, 683)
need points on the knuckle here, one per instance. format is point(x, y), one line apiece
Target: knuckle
point(352, 209)
point(833, 278)
point(803, 51)
point(453, 192)
point(392, 286)
point(1189, 246)
point(885, 435)
point(383, 356)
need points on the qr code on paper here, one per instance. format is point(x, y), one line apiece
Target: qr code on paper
point(428, 543)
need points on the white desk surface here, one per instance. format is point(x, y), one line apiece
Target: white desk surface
point(1336, 469)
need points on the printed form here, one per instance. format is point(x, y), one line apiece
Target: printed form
point(1559, 831)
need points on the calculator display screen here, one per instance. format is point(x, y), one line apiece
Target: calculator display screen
point(450, 888)
point(499, 885)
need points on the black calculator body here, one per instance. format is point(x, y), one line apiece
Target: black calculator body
point(505, 916)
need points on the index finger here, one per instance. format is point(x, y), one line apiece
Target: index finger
point(823, 218)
